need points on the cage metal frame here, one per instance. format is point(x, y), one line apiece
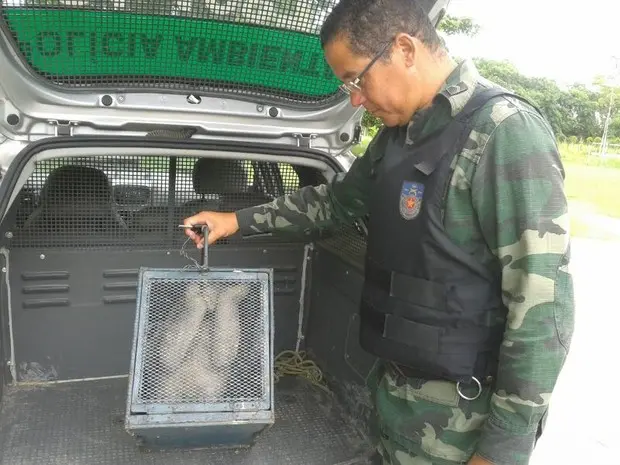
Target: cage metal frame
point(162, 426)
point(263, 276)
point(215, 424)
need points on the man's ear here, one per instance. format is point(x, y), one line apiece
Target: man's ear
point(407, 46)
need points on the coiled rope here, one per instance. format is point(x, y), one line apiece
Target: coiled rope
point(291, 363)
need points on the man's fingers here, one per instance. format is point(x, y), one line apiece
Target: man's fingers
point(214, 224)
point(191, 234)
point(189, 231)
point(212, 237)
point(189, 222)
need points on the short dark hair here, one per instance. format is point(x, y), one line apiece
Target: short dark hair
point(369, 24)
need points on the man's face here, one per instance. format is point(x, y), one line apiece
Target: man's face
point(384, 89)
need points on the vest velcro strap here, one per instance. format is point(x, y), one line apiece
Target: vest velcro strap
point(407, 288)
point(420, 291)
point(412, 333)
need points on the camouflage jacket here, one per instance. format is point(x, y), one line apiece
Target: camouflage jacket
point(506, 202)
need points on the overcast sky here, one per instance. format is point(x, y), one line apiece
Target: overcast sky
point(552, 38)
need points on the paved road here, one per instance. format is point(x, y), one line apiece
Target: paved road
point(584, 421)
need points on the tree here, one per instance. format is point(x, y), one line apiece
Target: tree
point(452, 25)
point(583, 112)
point(572, 112)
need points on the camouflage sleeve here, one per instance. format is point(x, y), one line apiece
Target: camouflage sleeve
point(518, 194)
point(339, 201)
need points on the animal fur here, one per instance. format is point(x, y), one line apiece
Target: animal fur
point(198, 348)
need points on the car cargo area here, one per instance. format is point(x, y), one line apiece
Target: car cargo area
point(74, 238)
point(82, 423)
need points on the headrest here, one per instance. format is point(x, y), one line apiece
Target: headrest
point(73, 184)
point(219, 176)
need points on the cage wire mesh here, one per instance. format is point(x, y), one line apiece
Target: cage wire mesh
point(204, 339)
point(260, 48)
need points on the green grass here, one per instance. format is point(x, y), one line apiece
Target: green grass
point(586, 155)
point(596, 186)
point(594, 200)
point(593, 192)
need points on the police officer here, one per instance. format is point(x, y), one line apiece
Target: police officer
point(467, 297)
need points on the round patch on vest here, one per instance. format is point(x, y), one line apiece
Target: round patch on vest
point(411, 199)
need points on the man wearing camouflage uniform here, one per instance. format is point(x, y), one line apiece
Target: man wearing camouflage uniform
point(467, 297)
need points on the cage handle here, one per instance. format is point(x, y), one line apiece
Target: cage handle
point(204, 258)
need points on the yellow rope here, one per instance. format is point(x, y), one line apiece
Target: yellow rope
point(291, 363)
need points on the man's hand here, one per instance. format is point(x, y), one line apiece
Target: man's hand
point(477, 460)
point(220, 225)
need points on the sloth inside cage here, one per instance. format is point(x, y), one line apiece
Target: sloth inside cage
point(200, 343)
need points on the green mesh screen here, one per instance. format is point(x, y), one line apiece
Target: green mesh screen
point(268, 48)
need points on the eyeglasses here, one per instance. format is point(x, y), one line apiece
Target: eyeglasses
point(354, 85)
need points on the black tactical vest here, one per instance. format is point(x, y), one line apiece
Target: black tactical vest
point(427, 304)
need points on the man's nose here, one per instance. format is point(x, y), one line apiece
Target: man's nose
point(357, 99)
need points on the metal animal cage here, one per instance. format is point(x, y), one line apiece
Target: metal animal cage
point(201, 368)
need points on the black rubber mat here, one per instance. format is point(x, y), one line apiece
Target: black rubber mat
point(82, 424)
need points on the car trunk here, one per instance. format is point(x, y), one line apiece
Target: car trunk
point(69, 299)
